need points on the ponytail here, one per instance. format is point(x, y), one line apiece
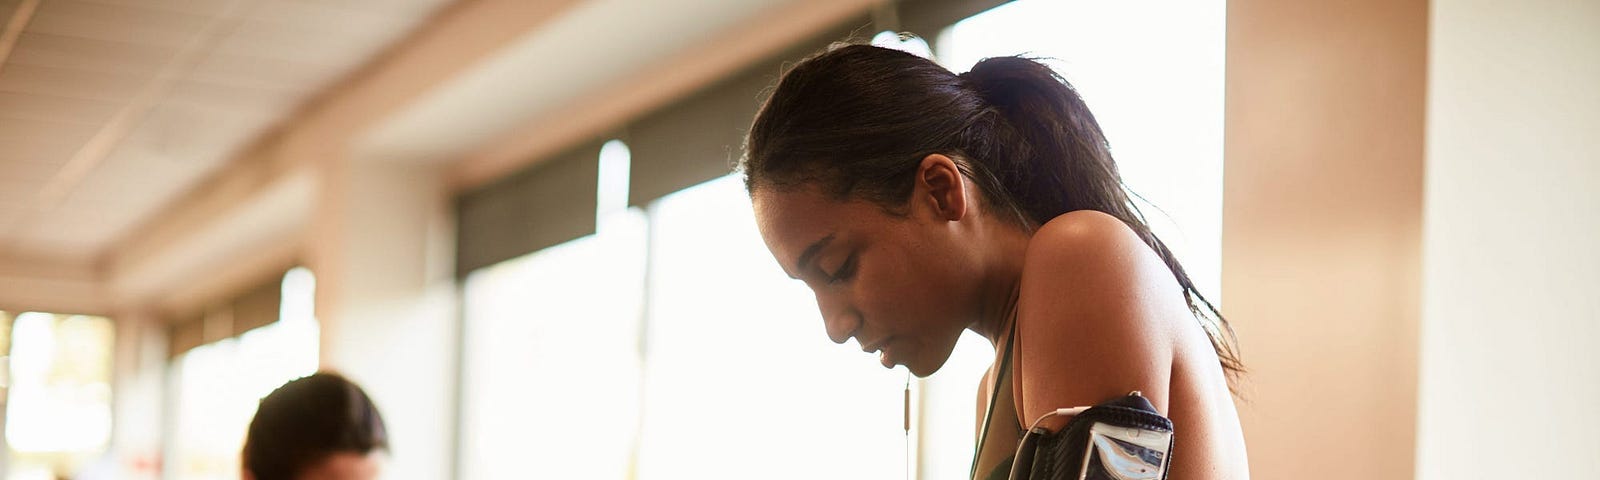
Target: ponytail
point(857, 119)
point(1051, 157)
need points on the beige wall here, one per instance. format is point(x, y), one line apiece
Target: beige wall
point(1512, 265)
point(1322, 210)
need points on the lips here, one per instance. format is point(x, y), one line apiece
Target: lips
point(875, 345)
point(881, 346)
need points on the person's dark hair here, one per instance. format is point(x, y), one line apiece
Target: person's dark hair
point(308, 419)
point(856, 121)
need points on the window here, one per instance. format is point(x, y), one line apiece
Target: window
point(551, 359)
point(57, 393)
point(578, 363)
point(218, 385)
point(740, 376)
point(551, 352)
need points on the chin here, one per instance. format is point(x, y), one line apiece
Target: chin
point(922, 367)
point(921, 372)
point(930, 356)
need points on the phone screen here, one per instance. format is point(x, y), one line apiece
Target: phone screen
point(1120, 453)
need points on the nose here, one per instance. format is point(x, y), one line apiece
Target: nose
point(838, 320)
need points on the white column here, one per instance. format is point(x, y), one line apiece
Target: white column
point(1510, 374)
point(382, 250)
point(138, 379)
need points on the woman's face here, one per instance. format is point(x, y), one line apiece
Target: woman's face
point(902, 286)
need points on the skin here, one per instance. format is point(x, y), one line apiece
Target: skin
point(340, 466)
point(1098, 315)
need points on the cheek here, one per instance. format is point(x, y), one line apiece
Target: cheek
point(923, 296)
point(908, 295)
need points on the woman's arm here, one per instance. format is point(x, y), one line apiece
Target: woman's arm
point(1095, 317)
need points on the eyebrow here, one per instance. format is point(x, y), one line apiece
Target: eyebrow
point(811, 252)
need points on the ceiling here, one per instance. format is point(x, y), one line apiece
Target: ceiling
point(593, 44)
point(110, 109)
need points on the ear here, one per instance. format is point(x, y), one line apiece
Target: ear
point(941, 187)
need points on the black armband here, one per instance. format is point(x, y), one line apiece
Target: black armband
point(1122, 439)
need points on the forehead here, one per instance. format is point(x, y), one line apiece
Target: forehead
point(792, 219)
point(345, 466)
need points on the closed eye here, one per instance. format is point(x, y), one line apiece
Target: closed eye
point(845, 271)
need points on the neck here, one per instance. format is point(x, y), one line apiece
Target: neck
point(1002, 281)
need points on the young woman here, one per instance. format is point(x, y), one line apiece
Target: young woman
point(917, 203)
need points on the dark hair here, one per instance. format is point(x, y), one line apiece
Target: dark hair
point(308, 419)
point(856, 120)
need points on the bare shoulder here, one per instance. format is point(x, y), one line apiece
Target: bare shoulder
point(1083, 235)
point(1095, 316)
point(1097, 262)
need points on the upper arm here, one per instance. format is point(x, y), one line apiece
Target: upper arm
point(1094, 317)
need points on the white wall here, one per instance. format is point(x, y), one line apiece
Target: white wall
point(1511, 311)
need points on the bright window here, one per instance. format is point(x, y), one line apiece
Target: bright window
point(740, 376)
point(551, 359)
point(551, 350)
point(219, 384)
point(57, 393)
point(568, 374)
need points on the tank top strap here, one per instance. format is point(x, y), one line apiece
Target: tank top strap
point(997, 443)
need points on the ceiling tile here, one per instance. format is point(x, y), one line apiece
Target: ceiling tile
point(16, 193)
point(9, 214)
point(311, 17)
point(192, 7)
point(124, 186)
point(35, 172)
point(55, 109)
point(88, 54)
point(41, 141)
point(114, 188)
point(69, 82)
point(258, 72)
point(255, 38)
point(230, 97)
point(117, 23)
point(403, 9)
point(182, 131)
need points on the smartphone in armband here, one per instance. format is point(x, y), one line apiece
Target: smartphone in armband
point(1125, 453)
point(1121, 439)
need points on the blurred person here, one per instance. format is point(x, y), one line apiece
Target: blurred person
point(917, 203)
point(319, 427)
